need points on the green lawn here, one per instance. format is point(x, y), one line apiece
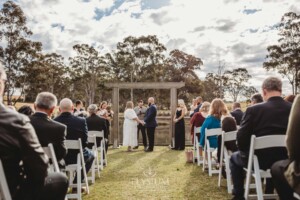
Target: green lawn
point(162, 174)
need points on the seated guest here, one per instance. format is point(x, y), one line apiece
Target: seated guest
point(24, 161)
point(198, 118)
point(217, 110)
point(76, 128)
point(228, 125)
point(96, 123)
point(285, 173)
point(48, 130)
point(237, 113)
point(256, 98)
point(26, 110)
point(268, 118)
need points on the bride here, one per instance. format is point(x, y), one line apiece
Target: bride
point(130, 127)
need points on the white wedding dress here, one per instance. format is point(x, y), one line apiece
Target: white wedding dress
point(130, 128)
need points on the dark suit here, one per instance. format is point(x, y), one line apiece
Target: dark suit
point(96, 123)
point(237, 114)
point(196, 109)
point(268, 118)
point(76, 128)
point(49, 131)
point(27, 180)
point(151, 124)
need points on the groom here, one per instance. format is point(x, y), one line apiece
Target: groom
point(150, 123)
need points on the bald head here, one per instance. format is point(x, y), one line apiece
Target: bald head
point(66, 105)
point(151, 100)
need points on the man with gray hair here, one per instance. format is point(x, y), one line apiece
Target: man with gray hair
point(267, 118)
point(24, 161)
point(48, 130)
point(96, 123)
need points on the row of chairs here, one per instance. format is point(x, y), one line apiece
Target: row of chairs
point(70, 169)
point(253, 170)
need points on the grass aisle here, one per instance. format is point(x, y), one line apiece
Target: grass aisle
point(162, 174)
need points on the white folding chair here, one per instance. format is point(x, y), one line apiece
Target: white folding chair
point(225, 155)
point(296, 196)
point(4, 191)
point(208, 150)
point(49, 151)
point(253, 169)
point(76, 145)
point(95, 165)
point(101, 149)
point(196, 152)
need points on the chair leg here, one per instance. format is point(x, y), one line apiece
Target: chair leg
point(258, 183)
point(228, 175)
point(204, 158)
point(209, 162)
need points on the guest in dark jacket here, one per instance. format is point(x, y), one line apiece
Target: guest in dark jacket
point(237, 113)
point(289, 169)
point(96, 123)
point(76, 128)
point(48, 130)
point(24, 161)
point(268, 118)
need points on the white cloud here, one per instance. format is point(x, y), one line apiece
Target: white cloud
point(235, 31)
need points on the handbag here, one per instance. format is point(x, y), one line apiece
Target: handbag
point(189, 155)
point(292, 175)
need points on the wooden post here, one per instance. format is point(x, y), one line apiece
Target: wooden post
point(173, 106)
point(115, 130)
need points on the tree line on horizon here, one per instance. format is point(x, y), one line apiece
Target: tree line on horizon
point(135, 59)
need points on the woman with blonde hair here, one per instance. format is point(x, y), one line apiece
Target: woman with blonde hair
point(179, 126)
point(199, 117)
point(130, 127)
point(217, 110)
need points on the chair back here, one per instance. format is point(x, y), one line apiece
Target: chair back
point(4, 191)
point(213, 132)
point(92, 139)
point(97, 133)
point(49, 151)
point(263, 142)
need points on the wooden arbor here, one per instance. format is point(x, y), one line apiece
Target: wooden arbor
point(173, 86)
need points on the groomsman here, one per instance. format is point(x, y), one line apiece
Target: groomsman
point(140, 111)
point(150, 123)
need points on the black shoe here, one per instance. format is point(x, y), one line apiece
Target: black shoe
point(148, 150)
point(135, 147)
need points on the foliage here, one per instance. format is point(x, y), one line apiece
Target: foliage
point(89, 69)
point(235, 82)
point(48, 73)
point(18, 51)
point(284, 57)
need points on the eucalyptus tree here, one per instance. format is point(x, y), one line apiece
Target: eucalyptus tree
point(89, 70)
point(284, 57)
point(18, 51)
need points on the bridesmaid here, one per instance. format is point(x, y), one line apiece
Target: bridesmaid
point(179, 126)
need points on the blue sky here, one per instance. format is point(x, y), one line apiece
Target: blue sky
point(236, 32)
